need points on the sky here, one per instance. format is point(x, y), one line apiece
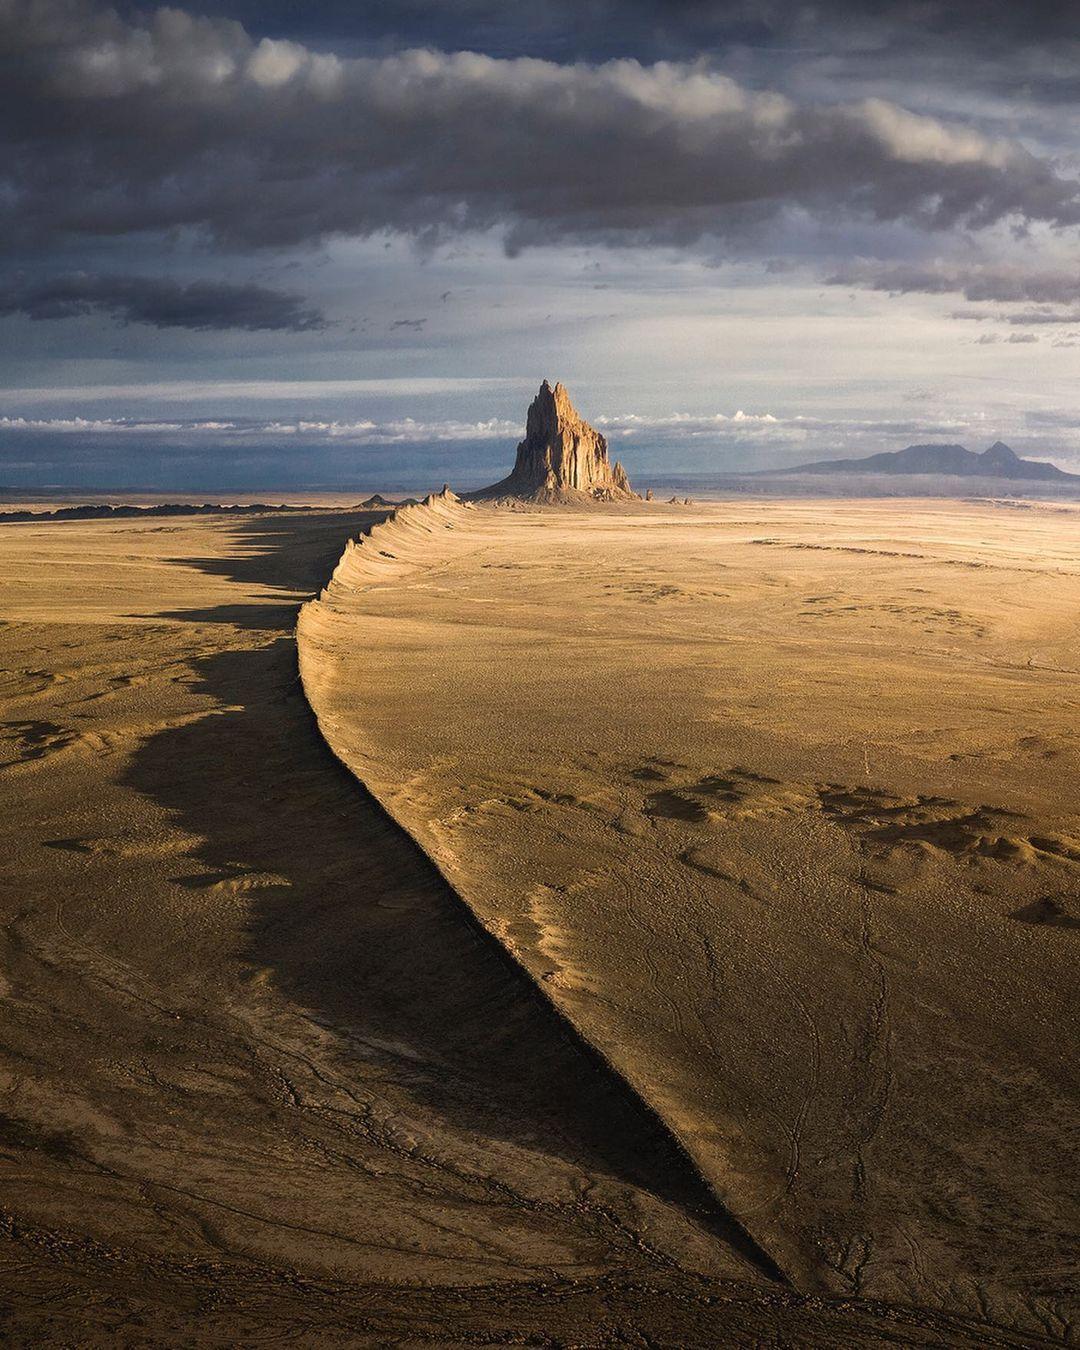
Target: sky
point(285, 244)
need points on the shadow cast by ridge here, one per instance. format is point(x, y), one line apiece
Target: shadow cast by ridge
point(361, 931)
point(286, 553)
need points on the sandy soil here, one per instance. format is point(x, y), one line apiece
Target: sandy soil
point(778, 805)
point(262, 1077)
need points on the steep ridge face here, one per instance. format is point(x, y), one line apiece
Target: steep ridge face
point(414, 542)
point(562, 457)
point(389, 547)
point(804, 921)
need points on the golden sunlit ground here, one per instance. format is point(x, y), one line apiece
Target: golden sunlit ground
point(765, 1032)
point(778, 803)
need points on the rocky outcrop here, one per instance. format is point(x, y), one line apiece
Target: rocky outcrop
point(562, 458)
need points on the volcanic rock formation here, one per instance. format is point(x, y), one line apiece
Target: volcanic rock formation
point(562, 458)
point(997, 462)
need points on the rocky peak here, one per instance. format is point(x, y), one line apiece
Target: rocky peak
point(549, 411)
point(562, 458)
point(1000, 453)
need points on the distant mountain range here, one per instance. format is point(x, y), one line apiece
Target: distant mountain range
point(997, 462)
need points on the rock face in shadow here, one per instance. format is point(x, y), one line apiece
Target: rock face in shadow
point(562, 457)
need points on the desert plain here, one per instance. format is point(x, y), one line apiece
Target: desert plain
point(643, 924)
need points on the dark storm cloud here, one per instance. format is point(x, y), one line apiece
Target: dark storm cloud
point(650, 29)
point(109, 126)
point(200, 305)
point(976, 282)
point(1054, 294)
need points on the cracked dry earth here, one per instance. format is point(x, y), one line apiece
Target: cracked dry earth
point(777, 804)
point(262, 1078)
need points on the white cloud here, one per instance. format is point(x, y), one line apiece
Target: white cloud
point(405, 430)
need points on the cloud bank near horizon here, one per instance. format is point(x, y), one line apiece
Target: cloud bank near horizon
point(241, 452)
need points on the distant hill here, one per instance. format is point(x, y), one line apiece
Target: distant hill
point(997, 462)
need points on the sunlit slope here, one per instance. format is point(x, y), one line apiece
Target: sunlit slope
point(778, 804)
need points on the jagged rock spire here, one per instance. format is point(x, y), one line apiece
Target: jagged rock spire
point(562, 458)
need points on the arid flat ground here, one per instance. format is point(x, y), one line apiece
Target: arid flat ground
point(779, 806)
point(262, 1077)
